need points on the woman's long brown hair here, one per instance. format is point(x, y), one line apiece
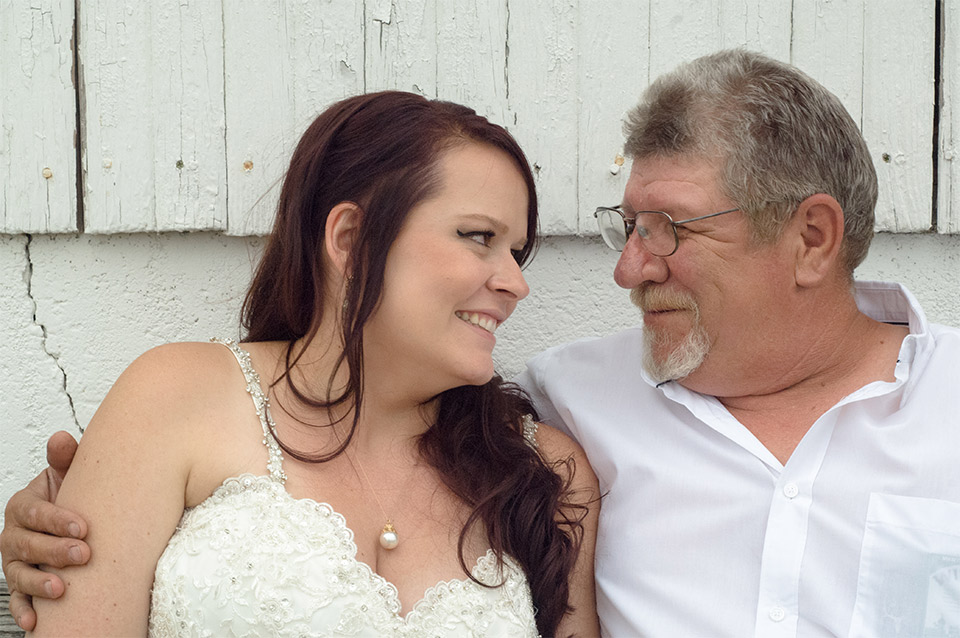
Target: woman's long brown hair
point(381, 151)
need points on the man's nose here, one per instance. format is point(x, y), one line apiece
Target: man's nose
point(637, 265)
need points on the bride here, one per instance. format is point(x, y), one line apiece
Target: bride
point(354, 467)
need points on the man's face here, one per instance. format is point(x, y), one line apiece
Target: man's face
point(709, 307)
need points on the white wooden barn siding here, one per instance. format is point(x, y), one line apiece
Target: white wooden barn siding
point(38, 159)
point(948, 151)
point(190, 109)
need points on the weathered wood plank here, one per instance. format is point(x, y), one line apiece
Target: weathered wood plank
point(682, 31)
point(400, 46)
point(827, 43)
point(38, 159)
point(183, 102)
point(471, 55)
point(283, 64)
point(948, 184)
point(152, 82)
point(898, 98)
point(542, 73)
point(612, 75)
point(8, 628)
point(837, 43)
point(758, 25)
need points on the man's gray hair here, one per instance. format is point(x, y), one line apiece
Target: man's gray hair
point(777, 134)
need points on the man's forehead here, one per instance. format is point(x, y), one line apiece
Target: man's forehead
point(685, 163)
point(679, 178)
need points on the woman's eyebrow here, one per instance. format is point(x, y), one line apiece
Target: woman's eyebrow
point(496, 224)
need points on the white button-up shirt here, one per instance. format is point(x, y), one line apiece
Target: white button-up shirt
point(704, 533)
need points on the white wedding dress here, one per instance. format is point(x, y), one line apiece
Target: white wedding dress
point(251, 560)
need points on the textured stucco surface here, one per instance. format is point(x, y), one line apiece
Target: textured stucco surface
point(75, 310)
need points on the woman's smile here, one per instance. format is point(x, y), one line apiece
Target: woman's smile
point(481, 320)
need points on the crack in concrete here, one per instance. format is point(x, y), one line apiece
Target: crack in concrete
point(28, 279)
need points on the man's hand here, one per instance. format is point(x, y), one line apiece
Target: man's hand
point(36, 531)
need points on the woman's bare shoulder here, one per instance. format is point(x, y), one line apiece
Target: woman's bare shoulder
point(178, 376)
point(169, 392)
point(182, 406)
point(561, 450)
point(179, 365)
point(555, 445)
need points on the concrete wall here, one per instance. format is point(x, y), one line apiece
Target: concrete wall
point(75, 310)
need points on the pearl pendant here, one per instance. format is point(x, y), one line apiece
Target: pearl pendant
point(388, 537)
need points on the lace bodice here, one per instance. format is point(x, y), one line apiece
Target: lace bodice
point(251, 560)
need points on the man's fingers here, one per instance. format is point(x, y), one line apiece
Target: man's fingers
point(22, 611)
point(28, 508)
point(31, 548)
point(60, 450)
point(30, 581)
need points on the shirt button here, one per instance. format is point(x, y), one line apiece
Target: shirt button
point(790, 490)
point(777, 613)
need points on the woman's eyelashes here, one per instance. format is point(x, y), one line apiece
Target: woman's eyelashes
point(482, 237)
point(485, 237)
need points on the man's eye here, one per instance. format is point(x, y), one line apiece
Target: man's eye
point(481, 237)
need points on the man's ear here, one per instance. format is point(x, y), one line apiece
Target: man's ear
point(818, 226)
point(343, 224)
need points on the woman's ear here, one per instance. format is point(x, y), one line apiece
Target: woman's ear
point(819, 220)
point(343, 224)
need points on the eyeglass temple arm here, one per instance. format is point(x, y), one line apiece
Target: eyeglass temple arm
point(696, 219)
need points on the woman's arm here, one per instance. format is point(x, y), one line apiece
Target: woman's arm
point(37, 531)
point(128, 481)
point(584, 491)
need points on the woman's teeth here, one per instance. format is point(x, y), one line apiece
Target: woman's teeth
point(486, 323)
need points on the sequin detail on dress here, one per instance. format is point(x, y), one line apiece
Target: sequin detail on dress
point(251, 560)
point(530, 430)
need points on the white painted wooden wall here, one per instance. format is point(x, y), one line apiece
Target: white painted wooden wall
point(189, 109)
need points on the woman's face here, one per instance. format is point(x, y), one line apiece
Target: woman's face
point(451, 277)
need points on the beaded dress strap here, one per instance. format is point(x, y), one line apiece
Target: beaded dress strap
point(530, 431)
point(261, 402)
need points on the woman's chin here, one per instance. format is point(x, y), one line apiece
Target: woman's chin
point(479, 375)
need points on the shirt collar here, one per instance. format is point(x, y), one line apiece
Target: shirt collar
point(890, 303)
point(893, 303)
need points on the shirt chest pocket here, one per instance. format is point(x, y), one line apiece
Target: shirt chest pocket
point(909, 579)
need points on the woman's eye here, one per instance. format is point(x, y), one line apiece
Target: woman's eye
point(481, 237)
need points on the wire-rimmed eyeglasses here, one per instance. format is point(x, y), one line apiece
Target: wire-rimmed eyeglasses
point(657, 229)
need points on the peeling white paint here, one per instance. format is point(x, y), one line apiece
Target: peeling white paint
point(37, 117)
point(152, 84)
point(948, 196)
point(282, 67)
point(179, 95)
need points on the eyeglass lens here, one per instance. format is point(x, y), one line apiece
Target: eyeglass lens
point(612, 228)
point(656, 230)
point(653, 227)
